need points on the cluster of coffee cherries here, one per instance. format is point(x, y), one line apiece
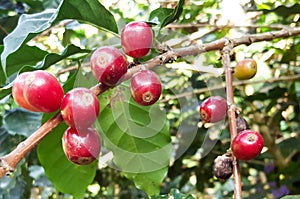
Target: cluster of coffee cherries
point(247, 144)
point(39, 91)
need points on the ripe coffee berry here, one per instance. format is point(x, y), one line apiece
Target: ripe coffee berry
point(145, 87)
point(80, 108)
point(41, 91)
point(213, 109)
point(247, 145)
point(136, 39)
point(18, 92)
point(222, 168)
point(81, 146)
point(245, 69)
point(108, 65)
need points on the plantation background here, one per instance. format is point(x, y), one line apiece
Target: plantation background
point(269, 101)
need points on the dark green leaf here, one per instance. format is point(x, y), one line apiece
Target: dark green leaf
point(90, 11)
point(26, 55)
point(289, 55)
point(7, 23)
point(159, 15)
point(32, 58)
point(2, 74)
point(148, 181)
point(284, 11)
point(166, 16)
point(21, 122)
point(32, 24)
point(28, 27)
point(138, 137)
point(291, 197)
point(53, 58)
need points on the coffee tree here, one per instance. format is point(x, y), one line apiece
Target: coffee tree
point(138, 99)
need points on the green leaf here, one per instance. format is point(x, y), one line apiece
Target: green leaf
point(2, 74)
point(291, 197)
point(89, 11)
point(37, 58)
point(53, 58)
point(138, 137)
point(21, 122)
point(30, 25)
point(284, 11)
point(65, 176)
point(26, 55)
point(149, 181)
point(166, 16)
point(160, 14)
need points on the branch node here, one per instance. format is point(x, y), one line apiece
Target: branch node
point(287, 30)
point(228, 46)
point(8, 169)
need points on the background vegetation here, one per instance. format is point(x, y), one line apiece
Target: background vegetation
point(62, 46)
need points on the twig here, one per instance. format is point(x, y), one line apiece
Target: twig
point(9, 161)
point(234, 84)
point(226, 51)
point(200, 25)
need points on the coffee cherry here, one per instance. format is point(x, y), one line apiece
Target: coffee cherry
point(81, 146)
point(80, 108)
point(18, 92)
point(108, 65)
point(247, 145)
point(41, 92)
point(241, 124)
point(245, 69)
point(136, 39)
point(213, 109)
point(145, 87)
point(222, 168)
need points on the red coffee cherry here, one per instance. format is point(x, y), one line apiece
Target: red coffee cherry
point(43, 91)
point(247, 145)
point(136, 39)
point(37, 91)
point(18, 92)
point(80, 108)
point(81, 146)
point(108, 65)
point(213, 109)
point(145, 87)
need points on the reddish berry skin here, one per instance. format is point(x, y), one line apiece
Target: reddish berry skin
point(213, 109)
point(247, 145)
point(81, 146)
point(18, 92)
point(42, 91)
point(108, 65)
point(136, 39)
point(145, 87)
point(80, 108)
